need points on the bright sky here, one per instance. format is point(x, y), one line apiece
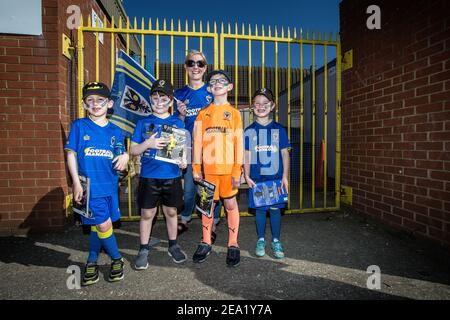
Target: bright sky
point(316, 15)
point(320, 15)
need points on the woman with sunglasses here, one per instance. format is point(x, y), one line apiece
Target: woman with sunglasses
point(192, 98)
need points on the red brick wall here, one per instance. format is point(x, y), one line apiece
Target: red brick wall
point(31, 156)
point(396, 114)
point(38, 100)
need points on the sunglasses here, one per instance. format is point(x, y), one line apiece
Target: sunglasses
point(192, 63)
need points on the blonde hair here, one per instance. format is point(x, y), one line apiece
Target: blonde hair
point(194, 52)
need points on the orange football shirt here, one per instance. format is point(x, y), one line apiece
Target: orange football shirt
point(218, 141)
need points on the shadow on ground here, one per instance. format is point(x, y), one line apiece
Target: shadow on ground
point(327, 256)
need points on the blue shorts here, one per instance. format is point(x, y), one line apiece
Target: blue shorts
point(103, 209)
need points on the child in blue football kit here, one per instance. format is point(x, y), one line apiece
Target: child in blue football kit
point(266, 158)
point(91, 153)
point(160, 181)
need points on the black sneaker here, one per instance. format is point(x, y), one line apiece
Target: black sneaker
point(116, 271)
point(233, 256)
point(177, 255)
point(90, 275)
point(202, 252)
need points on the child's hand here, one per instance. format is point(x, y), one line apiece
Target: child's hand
point(235, 182)
point(181, 108)
point(121, 162)
point(285, 183)
point(77, 192)
point(198, 177)
point(182, 164)
point(250, 182)
point(156, 143)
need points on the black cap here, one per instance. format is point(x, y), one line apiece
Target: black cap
point(97, 88)
point(264, 92)
point(214, 72)
point(163, 86)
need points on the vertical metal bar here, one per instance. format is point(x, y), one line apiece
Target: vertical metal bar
point(263, 73)
point(80, 56)
point(325, 125)
point(222, 49)
point(338, 124)
point(127, 45)
point(97, 51)
point(130, 202)
point(186, 49)
point(113, 53)
point(277, 109)
point(301, 122)
point(150, 27)
point(201, 38)
point(216, 47)
point(142, 45)
point(157, 50)
point(289, 108)
point(236, 68)
point(313, 124)
point(250, 73)
point(171, 55)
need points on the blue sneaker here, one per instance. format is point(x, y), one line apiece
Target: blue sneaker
point(260, 248)
point(277, 249)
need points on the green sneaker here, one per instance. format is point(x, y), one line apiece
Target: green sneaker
point(260, 248)
point(90, 275)
point(116, 271)
point(277, 249)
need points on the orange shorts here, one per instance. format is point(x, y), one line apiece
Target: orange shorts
point(224, 186)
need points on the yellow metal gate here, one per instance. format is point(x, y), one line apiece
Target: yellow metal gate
point(305, 104)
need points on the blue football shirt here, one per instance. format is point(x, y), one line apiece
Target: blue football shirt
point(195, 100)
point(265, 144)
point(150, 167)
point(94, 147)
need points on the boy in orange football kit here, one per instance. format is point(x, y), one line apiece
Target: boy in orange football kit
point(218, 146)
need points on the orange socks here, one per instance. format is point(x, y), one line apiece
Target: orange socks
point(207, 224)
point(233, 227)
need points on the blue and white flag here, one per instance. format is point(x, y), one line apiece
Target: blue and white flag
point(130, 92)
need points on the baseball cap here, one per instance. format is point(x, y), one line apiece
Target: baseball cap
point(97, 88)
point(214, 72)
point(264, 92)
point(163, 86)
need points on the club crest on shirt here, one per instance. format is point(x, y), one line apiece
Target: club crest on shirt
point(227, 115)
point(113, 140)
point(275, 136)
point(208, 99)
point(186, 102)
point(86, 137)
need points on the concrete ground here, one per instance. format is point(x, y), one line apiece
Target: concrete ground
point(327, 256)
